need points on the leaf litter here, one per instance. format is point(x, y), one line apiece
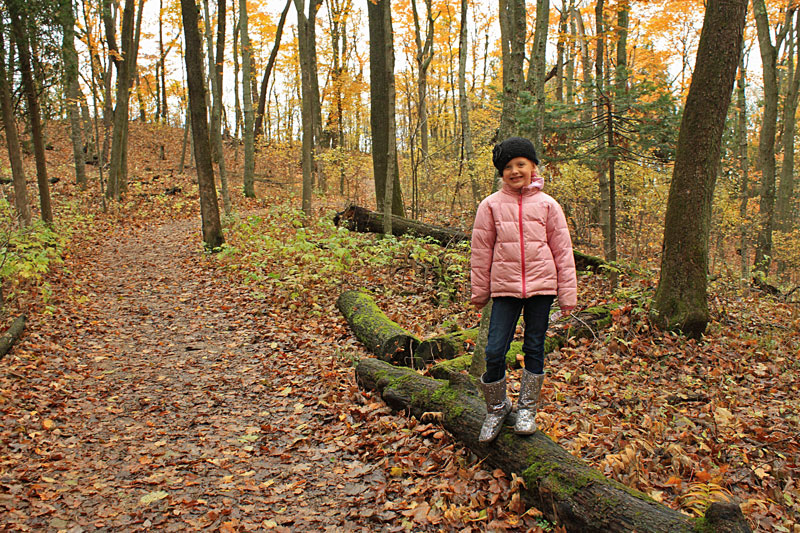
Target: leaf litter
point(159, 388)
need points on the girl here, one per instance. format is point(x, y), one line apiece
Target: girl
point(522, 259)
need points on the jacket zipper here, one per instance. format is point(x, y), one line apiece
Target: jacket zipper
point(522, 248)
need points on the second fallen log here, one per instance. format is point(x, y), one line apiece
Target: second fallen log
point(383, 337)
point(363, 220)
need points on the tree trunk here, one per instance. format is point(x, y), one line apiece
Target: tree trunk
point(237, 103)
point(512, 37)
point(273, 55)
point(215, 73)
point(72, 91)
point(783, 206)
point(586, 68)
point(124, 73)
point(247, 97)
point(307, 104)
point(563, 487)
point(383, 337)
point(379, 108)
point(766, 139)
point(316, 106)
point(12, 143)
point(424, 57)
point(209, 210)
point(744, 167)
point(680, 301)
point(467, 150)
point(391, 155)
point(538, 61)
point(18, 26)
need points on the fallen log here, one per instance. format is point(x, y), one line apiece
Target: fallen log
point(386, 339)
point(560, 485)
point(12, 335)
point(363, 220)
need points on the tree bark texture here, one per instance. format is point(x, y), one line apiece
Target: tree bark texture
point(680, 300)
point(12, 143)
point(512, 36)
point(383, 337)
point(124, 73)
point(306, 66)
point(783, 200)
point(12, 335)
point(18, 26)
point(72, 91)
point(247, 102)
point(379, 109)
point(562, 486)
point(209, 209)
point(215, 69)
point(766, 139)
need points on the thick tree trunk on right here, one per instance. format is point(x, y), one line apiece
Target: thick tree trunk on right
point(209, 209)
point(680, 301)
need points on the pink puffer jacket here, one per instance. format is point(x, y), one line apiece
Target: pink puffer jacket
point(521, 247)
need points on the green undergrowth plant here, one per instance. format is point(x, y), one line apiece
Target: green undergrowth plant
point(28, 254)
point(279, 252)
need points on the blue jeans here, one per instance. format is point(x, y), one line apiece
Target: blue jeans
point(503, 323)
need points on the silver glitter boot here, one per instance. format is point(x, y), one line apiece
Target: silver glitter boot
point(497, 408)
point(528, 402)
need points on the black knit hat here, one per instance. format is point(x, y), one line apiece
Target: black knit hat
point(511, 148)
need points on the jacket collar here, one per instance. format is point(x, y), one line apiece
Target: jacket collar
point(536, 185)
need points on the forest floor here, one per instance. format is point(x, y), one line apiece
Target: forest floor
point(152, 396)
point(158, 387)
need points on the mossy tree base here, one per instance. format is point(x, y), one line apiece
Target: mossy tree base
point(12, 335)
point(386, 339)
point(562, 486)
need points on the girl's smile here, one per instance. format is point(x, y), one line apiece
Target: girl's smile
point(519, 172)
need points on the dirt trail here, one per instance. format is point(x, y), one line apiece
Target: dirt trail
point(158, 396)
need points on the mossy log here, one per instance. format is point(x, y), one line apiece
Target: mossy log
point(386, 339)
point(447, 346)
point(12, 335)
point(365, 221)
point(560, 485)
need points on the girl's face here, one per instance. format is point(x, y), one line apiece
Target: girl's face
point(518, 173)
